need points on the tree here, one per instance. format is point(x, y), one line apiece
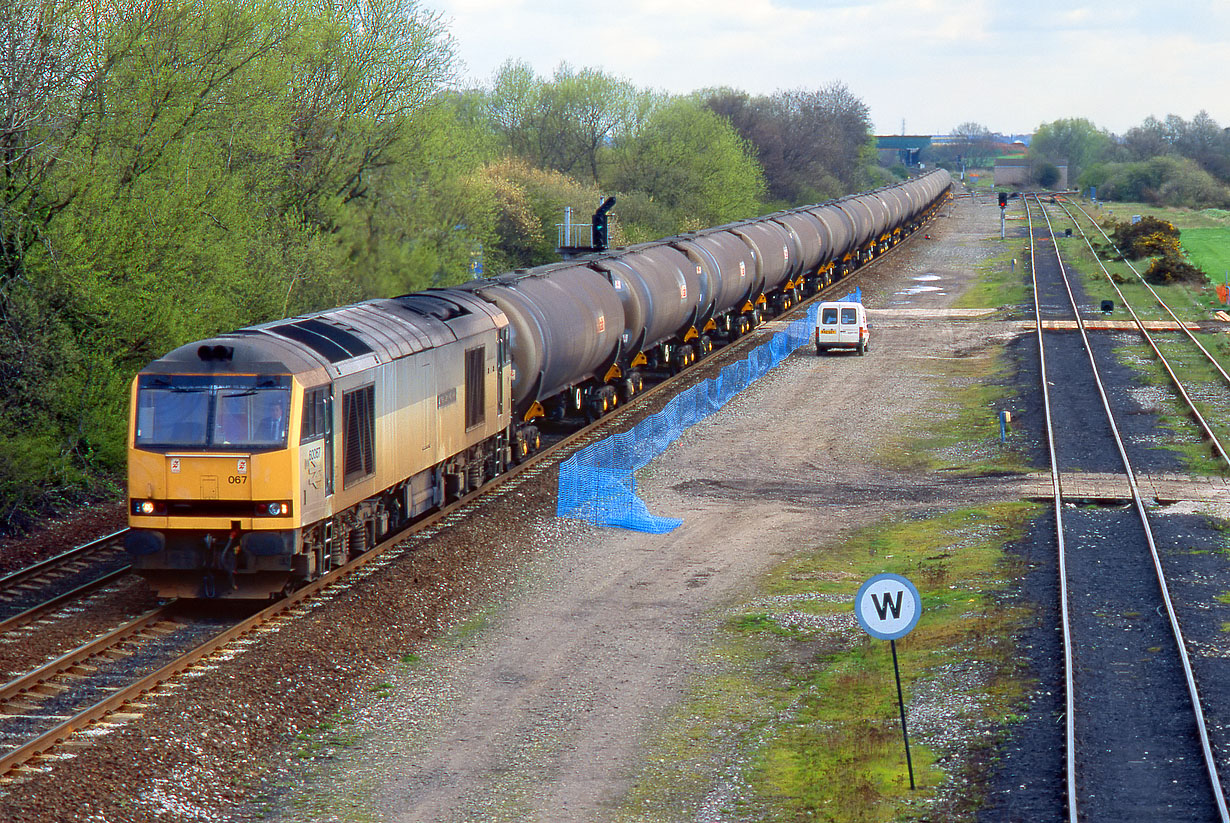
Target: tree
point(975, 143)
point(530, 202)
point(692, 161)
point(172, 170)
point(812, 144)
point(566, 122)
point(364, 68)
point(1150, 139)
point(1047, 174)
point(1076, 141)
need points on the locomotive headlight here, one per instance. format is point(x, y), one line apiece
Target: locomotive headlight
point(275, 509)
point(143, 507)
point(280, 508)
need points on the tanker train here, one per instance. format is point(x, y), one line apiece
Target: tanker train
point(263, 458)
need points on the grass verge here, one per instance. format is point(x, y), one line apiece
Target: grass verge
point(803, 703)
point(961, 435)
point(1001, 282)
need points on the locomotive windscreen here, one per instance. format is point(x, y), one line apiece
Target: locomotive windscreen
point(213, 413)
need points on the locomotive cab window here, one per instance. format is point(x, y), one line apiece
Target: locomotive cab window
point(212, 413)
point(315, 414)
point(476, 396)
point(359, 424)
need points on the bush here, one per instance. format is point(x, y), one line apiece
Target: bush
point(39, 478)
point(1148, 238)
point(1163, 181)
point(1047, 175)
point(1172, 268)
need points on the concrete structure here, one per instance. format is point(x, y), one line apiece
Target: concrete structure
point(1020, 172)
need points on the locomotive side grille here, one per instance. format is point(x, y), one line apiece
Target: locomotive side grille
point(359, 423)
point(476, 396)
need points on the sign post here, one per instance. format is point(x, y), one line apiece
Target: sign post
point(887, 607)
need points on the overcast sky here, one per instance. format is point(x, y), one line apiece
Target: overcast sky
point(932, 63)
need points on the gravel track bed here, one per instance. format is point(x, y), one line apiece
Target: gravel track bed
point(59, 534)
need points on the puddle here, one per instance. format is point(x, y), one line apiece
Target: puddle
point(922, 278)
point(920, 289)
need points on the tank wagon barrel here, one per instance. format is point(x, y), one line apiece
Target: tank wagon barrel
point(263, 458)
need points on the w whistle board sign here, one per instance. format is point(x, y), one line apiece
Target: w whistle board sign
point(887, 606)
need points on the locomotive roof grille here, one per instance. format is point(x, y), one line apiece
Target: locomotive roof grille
point(430, 305)
point(335, 344)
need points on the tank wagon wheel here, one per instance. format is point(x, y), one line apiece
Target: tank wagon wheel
point(528, 442)
point(627, 389)
point(639, 381)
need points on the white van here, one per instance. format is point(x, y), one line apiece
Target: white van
point(842, 325)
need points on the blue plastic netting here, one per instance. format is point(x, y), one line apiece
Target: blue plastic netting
point(598, 483)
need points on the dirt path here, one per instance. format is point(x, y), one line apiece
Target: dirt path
point(537, 709)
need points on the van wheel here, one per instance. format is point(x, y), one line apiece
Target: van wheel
point(820, 349)
point(862, 348)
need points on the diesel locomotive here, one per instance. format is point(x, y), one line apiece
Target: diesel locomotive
point(263, 458)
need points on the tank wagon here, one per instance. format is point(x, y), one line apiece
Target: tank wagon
point(263, 458)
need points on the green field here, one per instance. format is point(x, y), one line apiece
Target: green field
point(1184, 219)
point(1209, 248)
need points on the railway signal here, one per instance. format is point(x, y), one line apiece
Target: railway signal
point(599, 224)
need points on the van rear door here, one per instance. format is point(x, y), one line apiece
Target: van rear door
point(848, 328)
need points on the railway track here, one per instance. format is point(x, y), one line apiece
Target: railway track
point(1207, 427)
point(1137, 742)
point(168, 641)
point(29, 593)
